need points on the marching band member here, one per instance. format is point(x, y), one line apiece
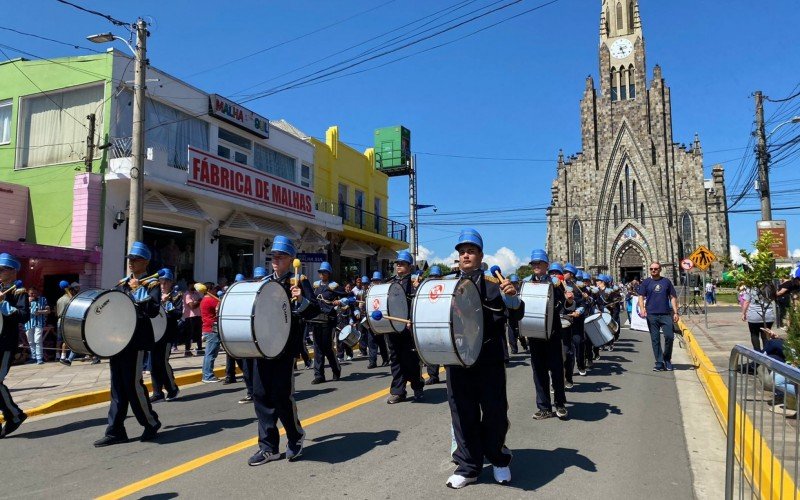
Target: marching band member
point(359, 292)
point(546, 358)
point(246, 365)
point(477, 395)
point(573, 336)
point(403, 357)
point(9, 340)
point(326, 292)
point(273, 379)
point(127, 387)
point(375, 342)
point(162, 376)
point(513, 324)
point(433, 370)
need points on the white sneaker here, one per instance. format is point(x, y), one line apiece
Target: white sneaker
point(456, 482)
point(294, 452)
point(502, 474)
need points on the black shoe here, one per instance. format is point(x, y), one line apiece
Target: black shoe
point(337, 376)
point(561, 412)
point(245, 400)
point(419, 395)
point(150, 433)
point(396, 398)
point(110, 440)
point(372, 365)
point(543, 414)
point(317, 381)
point(12, 426)
point(432, 380)
point(96, 361)
point(385, 363)
point(65, 362)
point(173, 395)
point(229, 381)
point(261, 457)
point(156, 397)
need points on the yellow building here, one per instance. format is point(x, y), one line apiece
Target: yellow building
point(346, 184)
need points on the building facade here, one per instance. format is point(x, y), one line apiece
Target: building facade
point(632, 195)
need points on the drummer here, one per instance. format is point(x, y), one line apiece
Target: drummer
point(375, 342)
point(11, 309)
point(573, 336)
point(127, 387)
point(328, 294)
point(477, 395)
point(273, 379)
point(513, 325)
point(162, 375)
point(433, 370)
point(403, 357)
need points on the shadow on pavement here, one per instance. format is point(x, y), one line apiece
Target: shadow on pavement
point(533, 469)
point(592, 412)
point(341, 447)
point(310, 393)
point(603, 367)
point(364, 375)
point(160, 496)
point(515, 362)
point(195, 430)
point(434, 395)
point(15, 389)
point(205, 394)
point(683, 366)
point(63, 429)
point(598, 386)
point(623, 349)
point(611, 357)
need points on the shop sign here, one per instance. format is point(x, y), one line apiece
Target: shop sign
point(780, 248)
point(307, 258)
point(222, 108)
point(217, 174)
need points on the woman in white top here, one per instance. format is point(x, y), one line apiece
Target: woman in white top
point(759, 312)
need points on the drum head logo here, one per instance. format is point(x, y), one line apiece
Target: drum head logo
point(99, 309)
point(376, 304)
point(435, 292)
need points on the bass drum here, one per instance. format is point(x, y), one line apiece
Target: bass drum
point(390, 300)
point(448, 322)
point(99, 322)
point(597, 330)
point(159, 324)
point(537, 323)
point(349, 336)
point(255, 319)
point(612, 325)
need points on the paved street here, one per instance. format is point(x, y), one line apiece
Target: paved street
point(625, 423)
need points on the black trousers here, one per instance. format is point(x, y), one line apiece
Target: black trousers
point(433, 371)
point(273, 398)
point(11, 412)
point(161, 371)
point(246, 365)
point(404, 363)
point(574, 343)
point(376, 342)
point(323, 348)
point(479, 412)
point(512, 331)
point(548, 363)
point(127, 388)
point(194, 332)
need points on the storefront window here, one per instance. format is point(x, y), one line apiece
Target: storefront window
point(172, 247)
point(235, 256)
point(351, 268)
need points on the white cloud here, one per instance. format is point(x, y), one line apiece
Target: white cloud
point(796, 253)
point(736, 258)
point(504, 257)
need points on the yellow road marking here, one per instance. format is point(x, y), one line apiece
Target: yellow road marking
point(211, 457)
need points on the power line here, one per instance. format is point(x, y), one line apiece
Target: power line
point(114, 21)
point(783, 100)
point(40, 37)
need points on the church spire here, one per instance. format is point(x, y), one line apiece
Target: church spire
point(620, 18)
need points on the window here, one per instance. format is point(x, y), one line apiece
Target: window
point(608, 20)
point(620, 26)
point(635, 204)
point(577, 243)
point(687, 230)
point(641, 212)
point(631, 82)
point(616, 217)
point(627, 191)
point(5, 121)
point(359, 208)
point(234, 147)
point(630, 16)
point(305, 176)
point(236, 139)
point(621, 200)
point(623, 84)
point(613, 84)
point(343, 201)
point(275, 163)
point(53, 126)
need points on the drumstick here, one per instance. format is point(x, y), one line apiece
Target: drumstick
point(495, 270)
point(17, 284)
point(377, 316)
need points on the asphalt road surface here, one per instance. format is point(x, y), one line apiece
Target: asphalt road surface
point(624, 439)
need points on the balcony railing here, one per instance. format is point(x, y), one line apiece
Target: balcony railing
point(122, 147)
point(368, 221)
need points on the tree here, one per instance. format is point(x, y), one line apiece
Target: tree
point(443, 267)
point(759, 275)
point(791, 347)
point(524, 271)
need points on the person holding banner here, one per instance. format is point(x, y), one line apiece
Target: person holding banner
point(658, 302)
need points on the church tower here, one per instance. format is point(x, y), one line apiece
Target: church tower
point(632, 195)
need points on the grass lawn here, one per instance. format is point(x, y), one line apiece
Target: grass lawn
point(728, 298)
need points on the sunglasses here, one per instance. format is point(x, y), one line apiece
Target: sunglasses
point(655, 268)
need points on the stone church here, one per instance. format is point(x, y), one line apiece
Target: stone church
point(632, 195)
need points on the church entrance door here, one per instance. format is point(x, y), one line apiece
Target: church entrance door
point(631, 264)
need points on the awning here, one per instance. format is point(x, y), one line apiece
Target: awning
point(311, 241)
point(356, 249)
point(253, 223)
point(387, 254)
point(173, 205)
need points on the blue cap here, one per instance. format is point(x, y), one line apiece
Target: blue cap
point(8, 260)
point(325, 267)
point(284, 245)
point(555, 266)
point(585, 276)
point(139, 251)
point(796, 273)
point(539, 255)
point(377, 276)
point(513, 278)
point(166, 274)
point(435, 272)
point(63, 284)
point(608, 279)
point(365, 279)
point(259, 272)
point(238, 277)
point(472, 236)
point(404, 256)
point(569, 268)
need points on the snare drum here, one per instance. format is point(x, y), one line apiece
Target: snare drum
point(539, 310)
point(609, 320)
point(448, 322)
point(597, 330)
point(99, 322)
point(255, 319)
point(349, 336)
point(159, 324)
point(390, 300)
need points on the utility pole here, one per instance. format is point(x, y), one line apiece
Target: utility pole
point(135, 215)
point(412, 208)
point(90, 144)
point(763, 159)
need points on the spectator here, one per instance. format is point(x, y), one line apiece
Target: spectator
point(709, 293)
point(784, 294)
point(661, 311)
point(193, 322)
point(209, 308)
point(759, 313)
point(61, 306)
point(34, 328)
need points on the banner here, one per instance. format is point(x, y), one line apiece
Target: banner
point(638, 322)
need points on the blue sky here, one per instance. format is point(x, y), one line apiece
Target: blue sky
point(508, 92)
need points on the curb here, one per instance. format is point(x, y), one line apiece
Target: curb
point(760, 466)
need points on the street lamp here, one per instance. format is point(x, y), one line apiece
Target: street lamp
point(136, 195)
point(794, 119)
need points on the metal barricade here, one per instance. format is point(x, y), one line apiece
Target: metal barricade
point(763, 439)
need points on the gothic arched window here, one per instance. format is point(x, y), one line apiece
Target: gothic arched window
point(613, 84)
point(621, 200)
point(627, 190)
point(635, 204)
point(630, 16)
point(619, 17)
point(577, 243)
point(608, 21)
point(641, 212)
point(687, 231)
point(616, 217)
point(631, 82)
point(623, 83)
